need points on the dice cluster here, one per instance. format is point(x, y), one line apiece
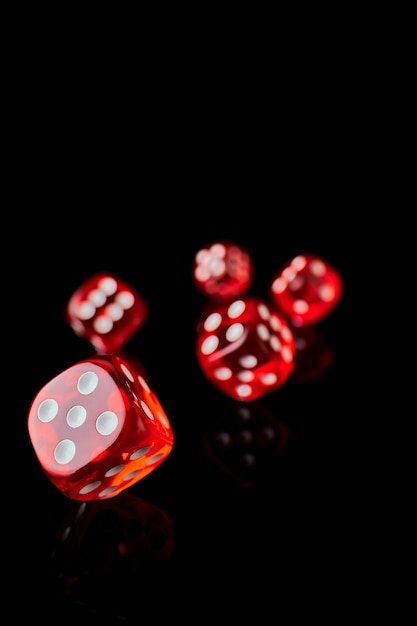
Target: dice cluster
point(246, 345)
point(97, 427)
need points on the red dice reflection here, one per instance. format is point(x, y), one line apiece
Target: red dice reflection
point(245, 442)
point(314, 355)
point(107, 552)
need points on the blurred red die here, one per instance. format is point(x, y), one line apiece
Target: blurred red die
point(106, 311)
point(222, 270)
point(306, 289)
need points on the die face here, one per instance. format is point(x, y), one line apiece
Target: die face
point(106, 311)
point(306, 289)
point(97, 428)
point(222, 271)
point(246, 349)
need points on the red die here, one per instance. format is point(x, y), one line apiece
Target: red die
point(246, 348)
point(306, 289)
point(97, 428)
point(106, 311)
point(222, 271)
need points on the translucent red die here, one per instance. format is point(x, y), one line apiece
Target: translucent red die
point(222, 270)
point(306, 289)
point(97, 428)
point(246, 348)
point(106, 311)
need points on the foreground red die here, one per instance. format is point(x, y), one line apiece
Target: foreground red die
point(106, 311)
point(222, 271)
point(245, 348)
point(306, 289)
point(97, 428)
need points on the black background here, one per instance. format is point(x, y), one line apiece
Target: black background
point(101, 184)
point(235, 548)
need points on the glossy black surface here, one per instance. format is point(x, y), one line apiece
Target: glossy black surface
point(213, 532)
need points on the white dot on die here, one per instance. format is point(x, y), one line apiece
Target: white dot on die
point(249, 360)
point(87, 383)
point(139, 453)
point(212, 322)
point(264, 311)
point(326, 293)
point(317, 267)
point(275, 323)
point(244, 391)
point(114, 470)
point(279, 285)
point(47, 410)
point(147, 410)
point(103, 324)
point(127, 372)
point(269, 379)
point(286, 333)
point(131, 475)
point(108, 285)
point(86, 310)
point(90, 487)
point(114, 311)
point(236, 309)
point(64, 451)
point(162, 418)
point(223, 373)
point(218, 250)
point(299, 262)
point(217, 268)
point(246, 376)
point(288, 274)
point(234, 332)
point(106, 493)
point(275, 343)
point(300, 306)
point(262, 332)
point(209, 344)
point(76, 416)
point(287, 355)
point(106, 423)
point(154, 459)
point(97, 297)
point(144, 384)
point(201, 274)
point(125, 299)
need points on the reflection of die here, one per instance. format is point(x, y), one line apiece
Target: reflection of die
point(106, 550)
point(106, 311)
point(98, 428)
point(245, 442)
point(245, 348)
point(314, 357)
